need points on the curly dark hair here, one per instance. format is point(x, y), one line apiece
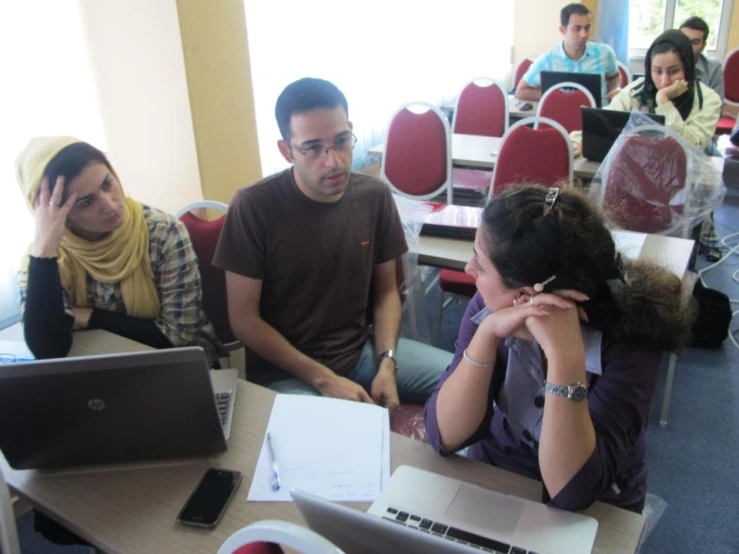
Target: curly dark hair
point(632, 301)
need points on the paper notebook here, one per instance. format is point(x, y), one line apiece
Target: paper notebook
point(335, 449)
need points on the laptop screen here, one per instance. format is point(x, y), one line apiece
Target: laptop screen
point(601, 128)
point(591, 81)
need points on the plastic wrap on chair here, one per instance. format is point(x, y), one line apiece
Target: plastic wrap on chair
point(415, 325)
point(407, 420)
point(655, 181)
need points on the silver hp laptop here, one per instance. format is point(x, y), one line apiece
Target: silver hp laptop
point(114, 409)
point(420, 512)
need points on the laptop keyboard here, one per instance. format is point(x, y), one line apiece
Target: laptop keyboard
point(453, 534)
point(222, 401)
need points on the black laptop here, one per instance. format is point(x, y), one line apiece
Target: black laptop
point(591, 81)
point(110, 409)
point(601, 128)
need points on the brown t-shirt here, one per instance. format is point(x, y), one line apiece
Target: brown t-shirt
point(315, 261)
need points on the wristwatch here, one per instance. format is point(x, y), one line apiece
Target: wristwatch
point(388, 354)
point(576, 391)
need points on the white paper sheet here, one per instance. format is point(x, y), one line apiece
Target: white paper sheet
point(336, 449)
point(628, 243)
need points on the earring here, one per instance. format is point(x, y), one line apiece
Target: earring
point(539, 287)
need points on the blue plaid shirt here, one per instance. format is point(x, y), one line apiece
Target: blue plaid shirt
point(598, 58)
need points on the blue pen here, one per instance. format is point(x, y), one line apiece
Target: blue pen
point(275, 470)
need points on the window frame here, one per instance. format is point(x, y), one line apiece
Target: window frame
point(722, 33)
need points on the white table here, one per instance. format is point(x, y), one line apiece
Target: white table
point(133, 509)
point(514, 109)
point(467, 150)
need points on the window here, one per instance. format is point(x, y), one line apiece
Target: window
point(386, 54)
point(649, 18)
point(48, 90)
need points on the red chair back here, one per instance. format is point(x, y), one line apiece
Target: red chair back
point(644, 177)
point(417, 157)
point(204, 236)
point(481, 110)
point(625, 76)
point(562, 104)
point(541, 156)
point(520, 71)
point(731, 77)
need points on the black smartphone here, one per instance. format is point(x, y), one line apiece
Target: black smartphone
point(208, 501)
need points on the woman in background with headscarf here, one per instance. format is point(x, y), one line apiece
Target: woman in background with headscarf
point(101, 260)
point(669, 88)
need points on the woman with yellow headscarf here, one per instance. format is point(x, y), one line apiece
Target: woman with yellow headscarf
point(100, 259)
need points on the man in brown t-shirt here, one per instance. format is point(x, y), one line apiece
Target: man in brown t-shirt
point(310, 255)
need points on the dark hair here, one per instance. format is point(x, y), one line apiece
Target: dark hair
point(632, 301)
point(677, 42)
point(569, 9)
point(305, 95)
point(72, 160)
point(697, 24)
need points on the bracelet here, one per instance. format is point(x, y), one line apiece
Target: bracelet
point(475, 362)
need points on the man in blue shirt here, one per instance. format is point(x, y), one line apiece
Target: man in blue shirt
point(574, 54)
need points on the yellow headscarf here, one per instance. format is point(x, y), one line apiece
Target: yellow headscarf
point(122, 257)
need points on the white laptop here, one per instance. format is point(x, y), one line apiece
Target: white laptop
point(114, 409)
point(421, 512)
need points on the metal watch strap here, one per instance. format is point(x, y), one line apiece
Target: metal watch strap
point(576, 391)
point(388, 354)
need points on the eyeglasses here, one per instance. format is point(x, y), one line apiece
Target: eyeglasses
point(343, 144)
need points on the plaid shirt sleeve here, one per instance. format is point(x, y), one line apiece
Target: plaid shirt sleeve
point(178, 282)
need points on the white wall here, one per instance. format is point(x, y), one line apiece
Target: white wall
point(139, 72)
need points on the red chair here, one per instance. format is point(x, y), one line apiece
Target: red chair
point(731, 91)
point(482, 109)
point(521, 68)
point(625, 74)
point(417, 162)
point(263, 537)
point(562, 104)
point(643, 182)
point(540, 155)
point(204, 235)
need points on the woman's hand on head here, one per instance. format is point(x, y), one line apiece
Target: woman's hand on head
point(50, 215)
point(667, 94)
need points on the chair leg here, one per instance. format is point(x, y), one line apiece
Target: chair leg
point(668, 389)
point(439, 313)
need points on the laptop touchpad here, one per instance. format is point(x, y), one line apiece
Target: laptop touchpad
point(496, 513)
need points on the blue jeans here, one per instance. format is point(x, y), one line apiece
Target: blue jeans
point(419, 369)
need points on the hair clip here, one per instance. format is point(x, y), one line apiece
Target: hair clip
point(539, 287)
point(550, 199)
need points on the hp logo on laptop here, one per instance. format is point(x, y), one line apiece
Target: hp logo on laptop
point(96, 405)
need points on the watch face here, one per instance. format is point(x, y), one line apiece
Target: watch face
point(579, 393)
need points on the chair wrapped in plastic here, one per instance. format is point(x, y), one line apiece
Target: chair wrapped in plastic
point(655, 181)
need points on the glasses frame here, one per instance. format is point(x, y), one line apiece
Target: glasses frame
point(324, 149)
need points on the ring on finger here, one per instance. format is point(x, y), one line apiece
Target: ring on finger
point(531, 300)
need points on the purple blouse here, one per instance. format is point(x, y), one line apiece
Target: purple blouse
point(621, 379)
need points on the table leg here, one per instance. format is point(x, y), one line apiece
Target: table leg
point(668, 389)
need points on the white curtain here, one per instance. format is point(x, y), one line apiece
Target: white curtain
point(47, 89)
point(381, 55)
